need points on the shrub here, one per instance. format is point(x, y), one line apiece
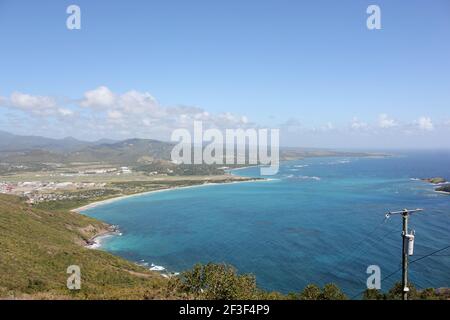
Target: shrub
point(218, 282)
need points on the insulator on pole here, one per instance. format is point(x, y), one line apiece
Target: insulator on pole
point(410, 243)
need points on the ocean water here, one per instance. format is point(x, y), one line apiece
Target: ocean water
point(319, 220)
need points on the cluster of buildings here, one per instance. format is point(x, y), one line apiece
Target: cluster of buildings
point(6, 187)
point(29, 186)
point(42, 191)
point(39, 191)
point(35, 197)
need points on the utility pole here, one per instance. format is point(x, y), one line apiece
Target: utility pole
point(406, 249)
point(405, 288)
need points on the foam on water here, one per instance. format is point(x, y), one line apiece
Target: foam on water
point(157, 268)
point(97, 241)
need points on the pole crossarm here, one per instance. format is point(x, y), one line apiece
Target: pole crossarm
point(404, 211)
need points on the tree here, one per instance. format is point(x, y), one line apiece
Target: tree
point(329, 292)
point(429, 294)
point(222, 282)
point(395, 293)
point(310, 292)
point(218, 282)
point(332, 292)
point(373, 294)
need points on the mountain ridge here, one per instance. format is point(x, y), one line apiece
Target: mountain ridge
point(10, 142)
point(133, 152)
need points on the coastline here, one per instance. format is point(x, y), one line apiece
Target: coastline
point(230, 171)
point(122, 197)
point(95, 242)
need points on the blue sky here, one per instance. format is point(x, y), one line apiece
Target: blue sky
point(311, 68)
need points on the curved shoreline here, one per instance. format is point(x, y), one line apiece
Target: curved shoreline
point(119, 198)
point(95, 243)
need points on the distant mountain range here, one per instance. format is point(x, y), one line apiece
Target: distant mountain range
point(11, 143)
point(18, 149)
point(34, 149)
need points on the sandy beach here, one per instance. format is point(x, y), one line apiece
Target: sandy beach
point(119, 198)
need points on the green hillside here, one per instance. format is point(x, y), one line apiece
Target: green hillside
point(38, 246)
point(125, 152)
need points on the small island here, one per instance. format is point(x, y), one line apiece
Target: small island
point(444, 189)
point(444, 185)
point(435, 180)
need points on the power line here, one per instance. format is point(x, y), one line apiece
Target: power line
point(357, 245)
point(432, 253)
point(435, 255)
point(412, 261)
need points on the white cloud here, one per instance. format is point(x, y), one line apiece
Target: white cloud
point(385, 122)
point(425, 123)
point(140, 112)
point(138, 103)
point(39, 105)
point(65, 112)
point(229, 119)
point(108, 114)
point(115, 115)
point(101, 97)
point(131, 102)
point(328, 126)
point(147, 122)
point(357, 124)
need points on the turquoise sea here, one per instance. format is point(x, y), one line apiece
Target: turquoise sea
point(319, 220)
